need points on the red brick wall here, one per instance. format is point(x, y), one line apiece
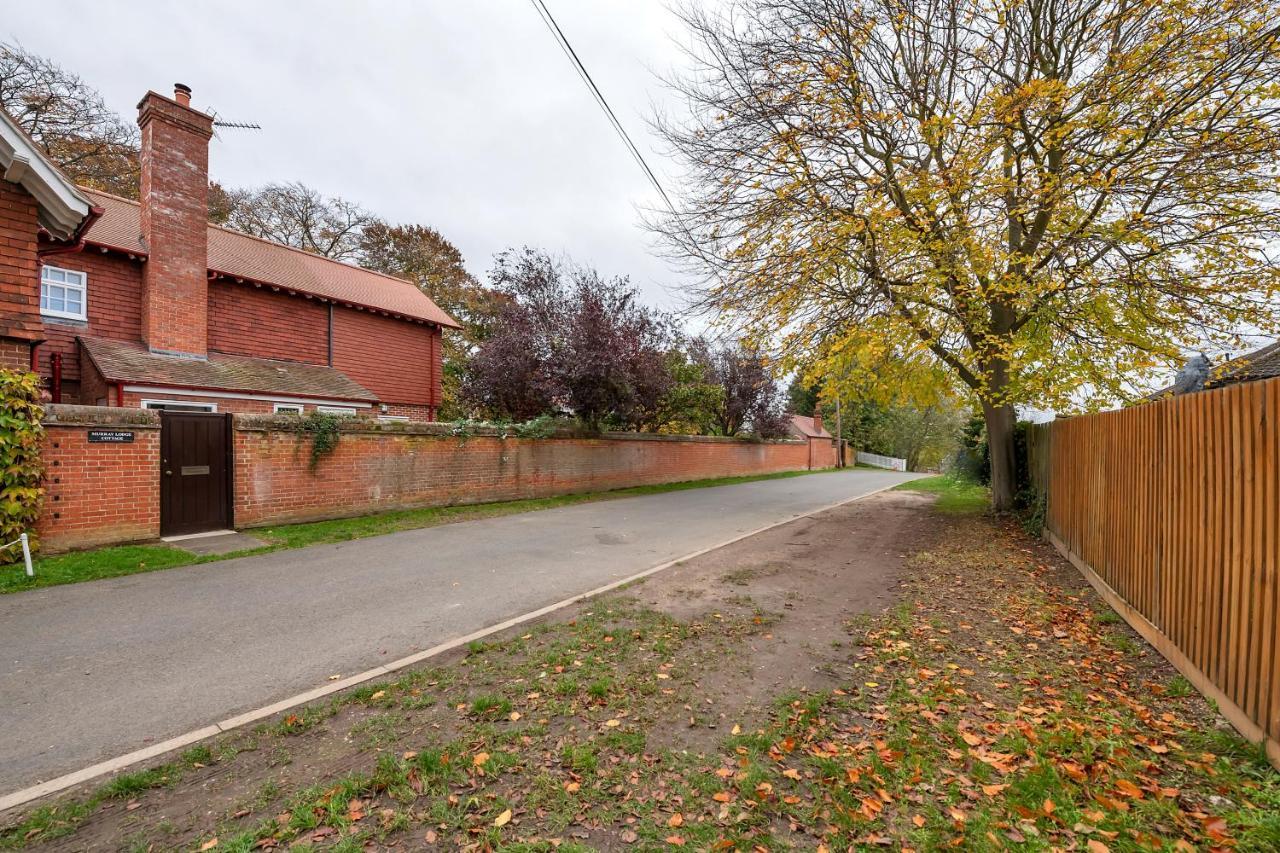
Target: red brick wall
point(398, 361)
point(114, 293)
point(396, 466)
point(99, 494)
point(822, 453)
point(174, 195)
point(259, 322)
point(19, 287)
point(93, 390)
point(15, 354)
point(413, 413)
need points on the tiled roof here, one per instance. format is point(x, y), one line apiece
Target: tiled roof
point(1262, 363)
point(123, 361)
point(241, 256)
point(806, 428)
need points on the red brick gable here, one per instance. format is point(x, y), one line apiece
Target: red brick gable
point(398, 361)
point(245, 320)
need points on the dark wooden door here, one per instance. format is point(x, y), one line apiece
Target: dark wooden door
point(195, 472)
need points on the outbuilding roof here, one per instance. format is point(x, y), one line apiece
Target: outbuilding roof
point(124, 361)
point(1263, 363)
point(243, 257)
point(806, 428)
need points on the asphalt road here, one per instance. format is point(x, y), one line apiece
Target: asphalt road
point(94, 670)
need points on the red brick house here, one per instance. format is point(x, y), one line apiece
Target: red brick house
point(822, 446)
point(144, 304)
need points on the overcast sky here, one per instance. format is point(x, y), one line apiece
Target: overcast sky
point(462, 115)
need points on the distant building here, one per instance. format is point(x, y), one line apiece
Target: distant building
point(1199, 375)
point(822, 446)
point(1263, 363)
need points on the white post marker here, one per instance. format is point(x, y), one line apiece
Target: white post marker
point(26, 552)
point(26, 555)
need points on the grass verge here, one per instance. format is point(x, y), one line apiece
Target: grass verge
point(955, 496)
point(132, 559)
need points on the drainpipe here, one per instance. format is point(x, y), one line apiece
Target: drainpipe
point(55, 364)
point(119, 393)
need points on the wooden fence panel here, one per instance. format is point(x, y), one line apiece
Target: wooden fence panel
point(1171, 511)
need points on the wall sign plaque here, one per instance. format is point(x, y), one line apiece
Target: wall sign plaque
point(111, 436)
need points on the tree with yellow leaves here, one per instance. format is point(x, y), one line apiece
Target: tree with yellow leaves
point(1025, 199)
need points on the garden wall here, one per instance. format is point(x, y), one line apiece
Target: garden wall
point(106, 492)
point(381, 466)
point(99, 493)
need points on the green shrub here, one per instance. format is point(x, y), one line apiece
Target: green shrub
point(21, 439)
point(1032, 506)
point(543, 426)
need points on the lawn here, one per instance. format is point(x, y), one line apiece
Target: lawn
point(995, 704)
point(956, 496)
point(131, 559)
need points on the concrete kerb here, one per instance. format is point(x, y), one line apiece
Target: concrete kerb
point(114, 765)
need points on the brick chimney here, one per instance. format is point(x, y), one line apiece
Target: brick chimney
point(817, 419)
point(175, 196)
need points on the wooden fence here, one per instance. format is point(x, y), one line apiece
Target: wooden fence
point(1170, 510)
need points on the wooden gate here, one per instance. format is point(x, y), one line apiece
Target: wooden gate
point(195, 472)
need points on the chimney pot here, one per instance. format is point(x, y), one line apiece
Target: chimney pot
point(182, 94)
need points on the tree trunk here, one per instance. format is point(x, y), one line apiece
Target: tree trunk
point(1000, 426)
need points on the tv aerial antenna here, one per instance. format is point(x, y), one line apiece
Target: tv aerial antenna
point(218, 121)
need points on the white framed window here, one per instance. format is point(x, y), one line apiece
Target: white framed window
point(179, 406)
point(336, 410)
point(287, 409)
point(64, 293)
point(392, 418)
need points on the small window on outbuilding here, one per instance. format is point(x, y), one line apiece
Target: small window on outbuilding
point(336, 410)
point(287, 408)
point(178, 406)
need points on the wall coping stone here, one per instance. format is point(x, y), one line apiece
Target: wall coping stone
point(67, 415)
point(440, 429)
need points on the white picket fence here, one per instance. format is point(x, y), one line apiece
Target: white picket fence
point(893, 463)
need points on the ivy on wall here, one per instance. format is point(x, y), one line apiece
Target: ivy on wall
point(21, 467)
point(323, 430)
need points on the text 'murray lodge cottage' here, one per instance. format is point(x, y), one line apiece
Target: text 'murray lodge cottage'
point(146, 305)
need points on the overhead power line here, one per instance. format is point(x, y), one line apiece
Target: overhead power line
point(572, 55)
